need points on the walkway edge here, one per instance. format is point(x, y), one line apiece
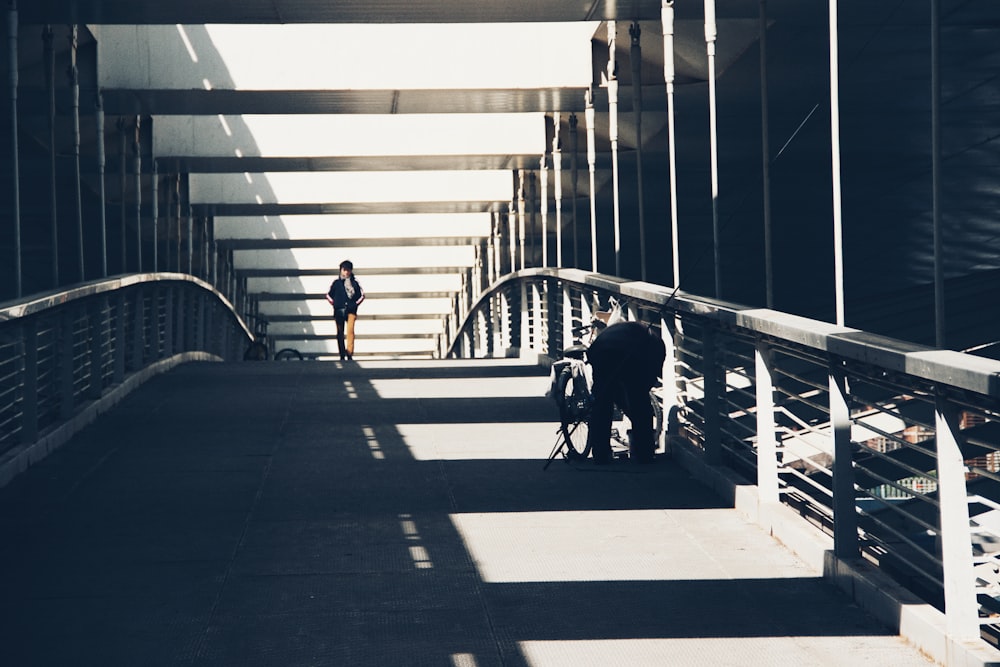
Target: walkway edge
point(917, 622)
point(24, 456)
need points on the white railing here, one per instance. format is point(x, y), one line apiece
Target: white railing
point(66, 354)
point(892, 449)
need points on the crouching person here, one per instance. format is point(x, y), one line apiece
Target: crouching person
point(627, 358)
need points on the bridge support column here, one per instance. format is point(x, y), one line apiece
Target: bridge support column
point(137, 171)
point(15, 198)
point(574, 168)
point(74, 83)
point(845, 521)
point(961, 606)
point(557, 173)
point(590, 117)
point(711, 32)
point(636, 60)
point(767, 442)
point(543, 171)
point(50, 86)
point(667, 19)
point(101, 167)
point(613, 133)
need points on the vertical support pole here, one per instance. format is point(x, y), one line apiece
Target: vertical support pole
point(50, 86)
point(667, 19)
point(538, 321)
point(29, 404)
point(713, 380)
point(526, 312)
point(574, 168)
point(613, 132)
point(939, 303)
point(512, 235)
point(635, 56)
point(557, 170)
point(589, 116)
point(189, 214)
point(961, 607)
point(521, 216)
point(765, 150)
point(532, 210)
point(544, 206)
point(179, 218)
point(711, 33)
point(101, 167)
point(154, 202)
point(845, 520)
point(15, 199)
point(74, 81)
point(838, 234)
point(137, 169)
point(123, 184)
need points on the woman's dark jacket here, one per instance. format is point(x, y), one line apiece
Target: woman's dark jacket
point(338, 295)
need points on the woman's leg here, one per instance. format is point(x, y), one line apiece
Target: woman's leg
point(351, 317)
point(340, 334)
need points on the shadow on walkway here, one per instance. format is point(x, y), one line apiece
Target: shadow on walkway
point(388, 513)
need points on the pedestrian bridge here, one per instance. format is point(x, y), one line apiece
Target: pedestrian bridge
point(167, 503)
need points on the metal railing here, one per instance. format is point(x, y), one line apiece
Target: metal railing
point(892, 449)
point(63, 351)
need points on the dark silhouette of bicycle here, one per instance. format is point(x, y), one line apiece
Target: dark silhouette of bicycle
point(571, 390)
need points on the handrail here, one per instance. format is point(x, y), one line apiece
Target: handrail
point(883, 444)
point(69, 354)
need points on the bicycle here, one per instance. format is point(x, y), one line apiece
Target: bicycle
point(571, 389)
point(288, 354)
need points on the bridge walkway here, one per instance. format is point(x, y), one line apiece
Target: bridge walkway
point(389, 513)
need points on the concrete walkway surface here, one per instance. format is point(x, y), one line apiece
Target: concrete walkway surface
point(389, 513)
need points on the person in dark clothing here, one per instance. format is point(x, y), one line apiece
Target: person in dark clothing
point(627, 358)
point(345, 296)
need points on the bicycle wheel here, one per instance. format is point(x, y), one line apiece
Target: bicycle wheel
point(288, 354)
point(575, 436)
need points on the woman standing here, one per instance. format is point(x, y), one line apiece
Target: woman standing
point(345, 295)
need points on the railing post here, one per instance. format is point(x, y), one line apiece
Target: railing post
point(95, 316)
point(669, 393)
point(66, 321)
point(29, 374)
point(767, 442)
point(538, 319)
point(845, 521)
point(139, 329)
point(961, 607)
point(167, 324)
point(119, 339)
point(713, 388)
point(567, 315)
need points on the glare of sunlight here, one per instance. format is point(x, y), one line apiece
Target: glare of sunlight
point(451, 442)
point(518, 547)
point(742, 650)
point(501, 387)
point(187, 43)
point(402, 134)
point(363, 258)
point(314, 57)
point(355, 226)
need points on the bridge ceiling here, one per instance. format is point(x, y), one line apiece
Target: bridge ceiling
point(165, 63)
